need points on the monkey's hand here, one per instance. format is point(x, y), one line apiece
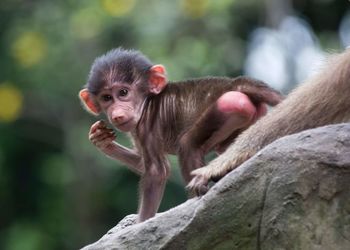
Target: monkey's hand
point(102, 136)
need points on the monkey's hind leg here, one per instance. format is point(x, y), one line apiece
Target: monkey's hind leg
point(231, 112)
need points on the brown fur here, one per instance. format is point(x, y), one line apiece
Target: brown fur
point(187, 118)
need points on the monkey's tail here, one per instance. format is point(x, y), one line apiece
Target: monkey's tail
point(258, 91)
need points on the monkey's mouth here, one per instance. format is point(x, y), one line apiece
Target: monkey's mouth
point(124, 126)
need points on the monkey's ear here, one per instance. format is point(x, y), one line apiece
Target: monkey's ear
point(157, 79)
point(88, 103)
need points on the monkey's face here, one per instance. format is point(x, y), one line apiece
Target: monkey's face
point(122, 103)
point(120, 91)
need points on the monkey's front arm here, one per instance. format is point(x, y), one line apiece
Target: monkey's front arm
point(152, 184)
point(103, 138)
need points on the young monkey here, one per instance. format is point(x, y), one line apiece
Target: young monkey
point(188, 118)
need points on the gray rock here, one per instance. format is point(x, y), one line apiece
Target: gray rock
point(294, 194)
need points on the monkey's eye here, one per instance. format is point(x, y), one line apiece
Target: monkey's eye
point(106, 98)
point(123, 92)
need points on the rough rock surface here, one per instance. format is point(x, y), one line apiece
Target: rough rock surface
point(294, 194)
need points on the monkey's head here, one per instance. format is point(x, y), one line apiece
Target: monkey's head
point(118, 84)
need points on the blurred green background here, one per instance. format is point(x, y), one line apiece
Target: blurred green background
point(56, 190)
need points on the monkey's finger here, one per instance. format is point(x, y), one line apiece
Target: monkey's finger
point(94, 138)
point(110, 138)
point(102, 136)
point(98, 125)
point(95, 135)
point(195, 192)
point(198, 185)
point(99, 132)
point(107, 130)
point(105, 142)
point(102, 124)
point(94, 127)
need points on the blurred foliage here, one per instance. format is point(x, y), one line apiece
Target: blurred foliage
point(57, 191)
point(11, 101)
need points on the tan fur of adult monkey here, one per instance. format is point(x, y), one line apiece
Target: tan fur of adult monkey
point(323, 99)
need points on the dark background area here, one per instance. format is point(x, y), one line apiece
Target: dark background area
point(56, 190)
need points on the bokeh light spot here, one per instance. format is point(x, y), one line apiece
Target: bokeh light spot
point(117, 8)
point(195, 8)
point(11, 102)
point(29, 48)
point(86, 24)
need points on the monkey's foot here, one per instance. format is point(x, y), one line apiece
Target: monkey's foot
point(199, 184)
point(214, 171)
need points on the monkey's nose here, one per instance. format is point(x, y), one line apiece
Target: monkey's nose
point(119, 119)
